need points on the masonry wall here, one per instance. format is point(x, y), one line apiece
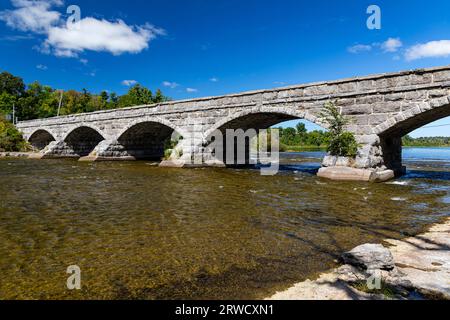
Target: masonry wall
point(379, 106)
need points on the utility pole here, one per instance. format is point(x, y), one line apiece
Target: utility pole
point(60, 102)
point(14, 114)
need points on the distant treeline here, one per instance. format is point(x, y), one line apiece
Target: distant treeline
point(409, 141)
point(40, 101)
point(293, 139)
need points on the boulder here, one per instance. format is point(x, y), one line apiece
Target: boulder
point(329, 161)
point(370, 257)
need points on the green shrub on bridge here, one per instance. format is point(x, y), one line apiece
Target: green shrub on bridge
point(341, 143)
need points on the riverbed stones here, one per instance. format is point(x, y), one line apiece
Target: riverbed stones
point(370, 257)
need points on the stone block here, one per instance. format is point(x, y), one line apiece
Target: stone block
point(438, 102)
point(376, 119)
point(329, 161)
point(369, 99)
point(394, 97)
point(441, 76)
point(371, 139)
point(357, 109)
point(354, 174)
point(387, 107)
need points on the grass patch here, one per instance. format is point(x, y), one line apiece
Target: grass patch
point(386, 290)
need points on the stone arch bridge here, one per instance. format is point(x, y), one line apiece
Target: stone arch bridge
point(381, 108)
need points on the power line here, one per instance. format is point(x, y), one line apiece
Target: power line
point(442, 125)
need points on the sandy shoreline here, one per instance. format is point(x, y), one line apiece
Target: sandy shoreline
point(423, 261)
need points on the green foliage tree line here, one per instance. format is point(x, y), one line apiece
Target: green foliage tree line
point(409, 141)
point(299, 137)
point(10, 138)
point(40, 101)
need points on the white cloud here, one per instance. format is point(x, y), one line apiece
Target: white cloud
point(214, 79)
point(32, 15)
point(432, 49)
point(84, 61)
point(171, 85)
point(191, 90)
point(89, 34)
point(41, 67)
point(391, 45)
point(359, 48)
point(129, 83)
point(100, 35)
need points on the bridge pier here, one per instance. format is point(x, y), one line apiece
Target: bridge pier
point(379, 159)
point(57, 150)
point(109, 150)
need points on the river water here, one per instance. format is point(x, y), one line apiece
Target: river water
point(142, 232)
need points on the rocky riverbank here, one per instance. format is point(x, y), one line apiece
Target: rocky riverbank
point(412, 268)
point(15, 154)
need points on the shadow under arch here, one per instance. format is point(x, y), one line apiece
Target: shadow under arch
point(83, 140)
point(249, 122)
point(391, 138)
point(263, 118)
point(148, 139)
point(40, 139)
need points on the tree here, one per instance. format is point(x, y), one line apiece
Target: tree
point(301, 128)
point(140, 95)
point(39, 101)
point(288, 136)
point(85, 100)
point(71, 102)
point(11, 84)
point(113, 101)
point(159, 97)
point(341, 143)
point(6, 103)
point(316, 138)
point(104, 97)
point(137, 95)
point(10, 138)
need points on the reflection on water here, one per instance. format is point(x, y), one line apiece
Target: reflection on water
point(143, 232)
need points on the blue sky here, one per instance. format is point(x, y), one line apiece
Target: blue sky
point(195, 48)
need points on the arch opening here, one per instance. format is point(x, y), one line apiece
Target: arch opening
point(83, 140)
point(40, 139)
point(413, 132)
point(147, 140)
point(294, 134)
